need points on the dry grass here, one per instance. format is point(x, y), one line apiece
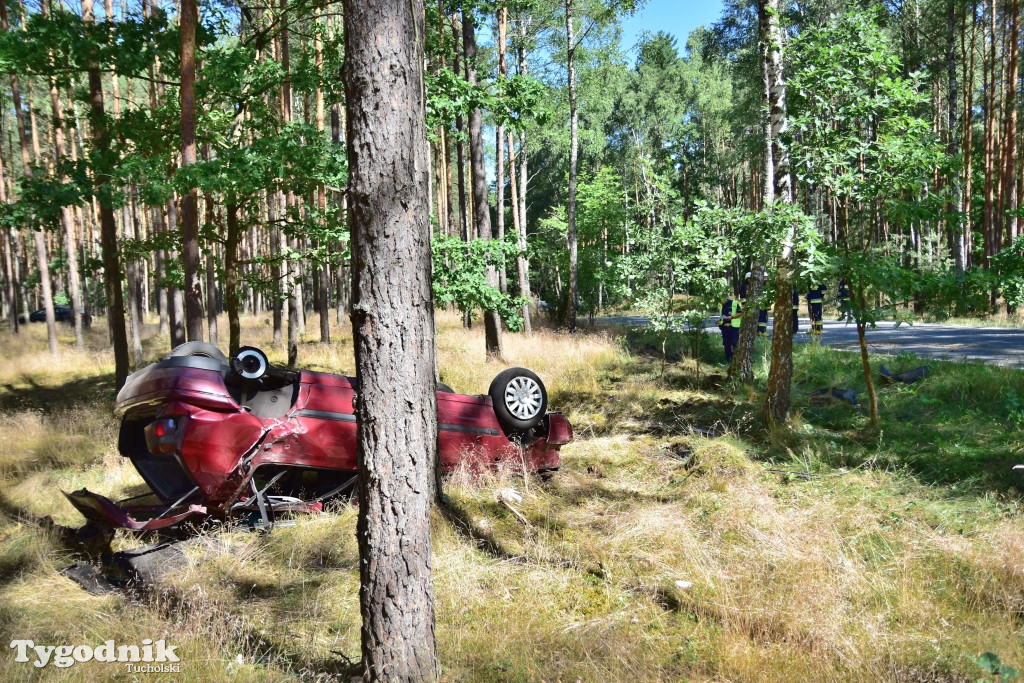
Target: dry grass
point(655, 554)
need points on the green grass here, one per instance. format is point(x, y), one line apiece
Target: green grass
point(679, 541)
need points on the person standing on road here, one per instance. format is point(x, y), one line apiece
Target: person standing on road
point(729, 324)
point(844, 302)
point(815, 298)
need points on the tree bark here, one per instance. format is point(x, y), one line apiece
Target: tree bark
point(211, 273)
point(523, 261)
point(39, 238)
point(956, 228)
point(66, 214)
point(193, 290)
point(1009, 145)
point(291, 281)
point(460, 147)
point(499, 151)
point(393, 326)
point(108, 228)
point(175, 300)
point(323, 277)
point(780, 374)
point(570, 40)
point(481, 208)
point(10, 277)
point(742, 366)
point(231, 279)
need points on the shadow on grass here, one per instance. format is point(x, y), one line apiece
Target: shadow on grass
point(954, 429)
point(462, 523)
point(28, 394)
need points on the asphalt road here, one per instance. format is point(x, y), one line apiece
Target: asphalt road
point(996, 345)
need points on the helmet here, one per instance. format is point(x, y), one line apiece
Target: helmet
point(748, 276)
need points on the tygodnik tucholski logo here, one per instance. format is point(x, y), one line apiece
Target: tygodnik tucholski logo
point(152, 657)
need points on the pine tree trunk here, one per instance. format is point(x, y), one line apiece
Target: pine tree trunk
point(323, 276)
point(10, 278)
point(393, 325)
point(291, 281)
point(211, 279)
point(193, 291)
point(66, 214)
point(522, 262)
point(989, 217)
point(1009, 145)
point(175, 301)
point(967, 54)
point(231, 279)
point(956, 227)
point(39, 238)
point(481, 207)
point(570, 39)
point(108, 228)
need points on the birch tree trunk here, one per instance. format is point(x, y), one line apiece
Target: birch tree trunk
point(499, 148)
point(780, 374)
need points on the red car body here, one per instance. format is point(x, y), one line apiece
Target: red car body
point(208, 444)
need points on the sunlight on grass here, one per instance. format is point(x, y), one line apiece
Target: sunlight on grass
point(677, 542)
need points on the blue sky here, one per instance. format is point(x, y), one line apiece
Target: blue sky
point(677, 17)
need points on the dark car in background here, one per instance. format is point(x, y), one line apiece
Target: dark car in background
point(60, 313)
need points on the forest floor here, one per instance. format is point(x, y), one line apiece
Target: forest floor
point(678, 542)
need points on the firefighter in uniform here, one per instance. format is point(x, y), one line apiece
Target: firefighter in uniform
point(729, 324)
point(816, 297)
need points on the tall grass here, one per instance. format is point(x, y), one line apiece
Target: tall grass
point(678, 542)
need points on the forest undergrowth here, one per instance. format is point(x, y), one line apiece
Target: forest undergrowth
point(679, 541)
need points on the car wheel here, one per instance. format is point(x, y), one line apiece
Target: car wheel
point(520, 399)
point(198, 348)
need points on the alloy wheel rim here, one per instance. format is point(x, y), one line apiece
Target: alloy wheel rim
point(523, 398)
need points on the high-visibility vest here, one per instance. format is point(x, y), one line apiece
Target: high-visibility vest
point(736, 310)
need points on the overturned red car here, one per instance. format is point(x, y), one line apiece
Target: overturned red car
point(214, 436)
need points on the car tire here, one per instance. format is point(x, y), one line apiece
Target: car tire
point(198, 348)
point(520, 399)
